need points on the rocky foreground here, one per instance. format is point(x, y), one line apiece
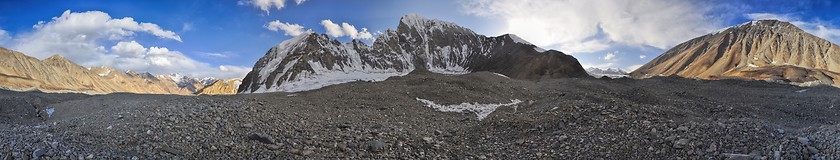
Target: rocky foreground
point(657, 118)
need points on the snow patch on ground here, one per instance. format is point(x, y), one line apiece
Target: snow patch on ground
point(49, 111)
point(321, 77)
point(499, 74)
point(106, 73)
point(480, 110)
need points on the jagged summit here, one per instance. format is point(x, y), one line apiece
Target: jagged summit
point(57, 59)
point(415, 21)
point(760, 25)
point(313, 61)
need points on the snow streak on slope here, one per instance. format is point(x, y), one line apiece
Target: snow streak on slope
point(480, 110)
point(348, 66)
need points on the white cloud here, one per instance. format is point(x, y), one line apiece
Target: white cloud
point(187, 27)
point(233, 71)
point(592, 26)
point(130, 55)
point(817, 27)
point(77, 35)
point(288, 29)
point(602, 65)
point(224, 54)
point(82, 37)
point(265, 5)
point(345, 29)
point(4, 38)
point(642, 56)
point(610, 56)
point(332, 28)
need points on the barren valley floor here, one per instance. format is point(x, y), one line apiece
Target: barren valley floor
point(574, 118)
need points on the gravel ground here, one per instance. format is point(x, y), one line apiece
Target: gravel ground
point(658, 118)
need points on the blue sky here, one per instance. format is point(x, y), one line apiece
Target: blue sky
point(225, 38)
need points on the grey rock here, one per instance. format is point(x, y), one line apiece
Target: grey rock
point(307, 152)
point(341, 147)
point(813, 150)
point(376, 146)
point(38, 153)
point(680, 144)
point(803, 140)
point(428, 140)
point(248, 125)
point(261, 137)
point(272, 146)
point(733, 156)
point(171, 150)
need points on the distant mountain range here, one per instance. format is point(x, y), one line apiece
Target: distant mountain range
point(58, 74)
point(609, 72)
point(312, 61)
point(768, 50)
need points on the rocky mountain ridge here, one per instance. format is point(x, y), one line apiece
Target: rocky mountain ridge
point(58, 74)
point(767, 50)
point(609, 72)
point(311, 61)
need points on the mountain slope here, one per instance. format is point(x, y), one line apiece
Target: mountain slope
point(312, 61)
point(221, 87)
point(760, 50)
point(58, 74)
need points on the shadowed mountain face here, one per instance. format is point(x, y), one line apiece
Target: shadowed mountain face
point(312, 61)
point(760, 50)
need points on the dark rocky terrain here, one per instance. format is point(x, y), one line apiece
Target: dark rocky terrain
point(656, 118)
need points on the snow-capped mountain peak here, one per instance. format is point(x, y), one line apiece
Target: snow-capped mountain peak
point(313, 61)
point(609, 72)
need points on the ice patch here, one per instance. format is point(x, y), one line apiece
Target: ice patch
point(480, 110)
point(502, 75)
point(106, 73)
point(801, 91)
point(751, 65)
point(49, 111)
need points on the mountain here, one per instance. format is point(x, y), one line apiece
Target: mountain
point(312, 61)
point(58, 74)
point(768, 50)
point(609, 72)
point(190, 83)
point(221, 87)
